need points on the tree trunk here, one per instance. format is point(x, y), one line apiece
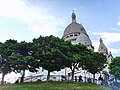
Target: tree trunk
point(48, 76)
point(22, 78)
point(3, 75)
point(72, 79)
point(93, 78)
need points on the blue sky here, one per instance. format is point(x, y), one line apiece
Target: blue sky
point(24, 20)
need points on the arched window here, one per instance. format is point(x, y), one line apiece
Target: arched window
point(71, 35)
point(67, 36)
point(75, 35)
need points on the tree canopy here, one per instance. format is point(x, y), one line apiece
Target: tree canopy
point(6, 50)
point(95, 62)
point(16, 57)
point(114, 67)
point(50, 52)
point(76, 54)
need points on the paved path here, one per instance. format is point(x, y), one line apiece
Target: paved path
point(112, 84)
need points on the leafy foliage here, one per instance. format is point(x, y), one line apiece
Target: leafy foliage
point(16, 57)
point(6, 50)
point(20, 62)
point(114, 67)
point(95, 62)
point(50, 51)
point(5, 66)
point(76, 54)
point(24, 48)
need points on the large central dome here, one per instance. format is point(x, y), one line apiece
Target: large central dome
point(76, 33)
point(74, 27)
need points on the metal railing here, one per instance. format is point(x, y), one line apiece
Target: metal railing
point(34, 78)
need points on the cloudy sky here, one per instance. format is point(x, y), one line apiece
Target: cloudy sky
point(24, 20)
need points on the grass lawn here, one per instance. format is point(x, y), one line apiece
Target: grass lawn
point(53, 86)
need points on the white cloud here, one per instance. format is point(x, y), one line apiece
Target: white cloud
point(39, 20)
point(14, 9)
point(118, 23)
point(109, 37)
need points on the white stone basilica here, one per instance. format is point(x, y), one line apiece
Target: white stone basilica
point(76, 33)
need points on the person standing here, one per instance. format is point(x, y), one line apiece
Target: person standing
point(100, 79)
point(80, 78)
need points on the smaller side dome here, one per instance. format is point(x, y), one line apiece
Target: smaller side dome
point(84, 39)
point(102, 47)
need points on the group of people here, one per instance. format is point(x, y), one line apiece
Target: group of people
point(79, 78)
point(102, 78)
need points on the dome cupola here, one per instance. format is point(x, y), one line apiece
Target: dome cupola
point(73, 17)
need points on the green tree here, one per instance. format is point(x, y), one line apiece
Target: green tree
point(50, 52)
point(17, 62)
point(114, 67)
point(95, 62)
point(53, 61)
point(25, 49)
point(76, 54)
point(6, 50)
point(5, 68)
point(21, 63)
